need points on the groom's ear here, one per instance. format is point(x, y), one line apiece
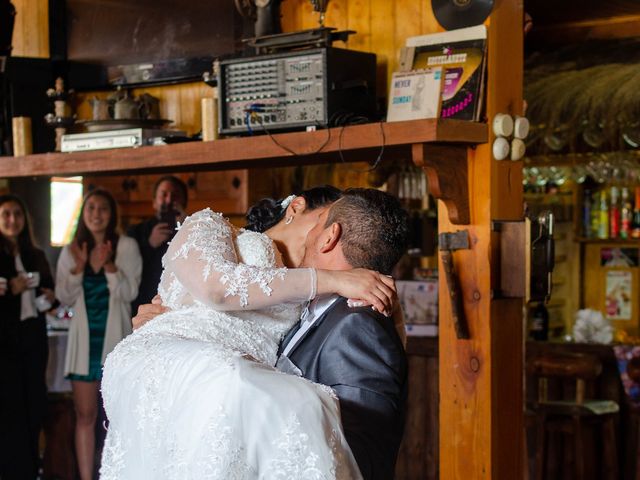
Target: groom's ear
point(331, 238)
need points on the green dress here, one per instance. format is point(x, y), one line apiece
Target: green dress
point(96, 300)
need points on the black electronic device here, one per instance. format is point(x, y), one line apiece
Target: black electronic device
point(292, 90)
point(169, 215)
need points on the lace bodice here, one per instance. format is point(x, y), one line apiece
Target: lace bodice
point(228, 286)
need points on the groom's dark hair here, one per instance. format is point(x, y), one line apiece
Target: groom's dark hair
point(375, 228)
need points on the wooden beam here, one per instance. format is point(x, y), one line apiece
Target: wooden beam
point(626, 26)
point(481, 387)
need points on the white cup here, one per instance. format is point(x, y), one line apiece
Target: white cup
point(3, 285)
point(43, 304)
point(33, 279)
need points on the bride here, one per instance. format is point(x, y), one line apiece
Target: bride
point(192, 394)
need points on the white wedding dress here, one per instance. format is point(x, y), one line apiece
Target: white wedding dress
point(192, 394)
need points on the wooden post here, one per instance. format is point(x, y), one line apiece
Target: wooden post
point(481, 379)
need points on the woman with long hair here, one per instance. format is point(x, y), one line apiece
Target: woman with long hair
point(23, 341)
point(98, 275)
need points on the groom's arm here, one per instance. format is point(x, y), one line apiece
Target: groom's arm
point(148, 312)
point(364, 362)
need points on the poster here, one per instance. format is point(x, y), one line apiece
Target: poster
point(415, 95)
point(619, 286)
point(619, 257)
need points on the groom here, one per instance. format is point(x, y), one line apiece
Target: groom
point(356, 351)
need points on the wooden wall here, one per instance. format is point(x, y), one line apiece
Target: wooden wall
point(382, 26)
point(31, 31)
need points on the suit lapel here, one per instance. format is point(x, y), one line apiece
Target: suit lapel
point(311, 329)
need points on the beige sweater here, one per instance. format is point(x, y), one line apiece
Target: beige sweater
point(123, 288)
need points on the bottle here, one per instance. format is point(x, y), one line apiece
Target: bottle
point(603, 220)
point(614, 214)
point(540, 323)
point(635, 232)
point(586, 214)
point(625, 215)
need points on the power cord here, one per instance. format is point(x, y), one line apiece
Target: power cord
point(341, 119)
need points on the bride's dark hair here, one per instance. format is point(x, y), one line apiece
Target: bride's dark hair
point(267, 212)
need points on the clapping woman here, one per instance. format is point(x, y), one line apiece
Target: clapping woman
point(98, 275)
point(23, 341)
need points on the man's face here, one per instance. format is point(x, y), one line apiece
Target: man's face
point(167, 194)
point(312, 256)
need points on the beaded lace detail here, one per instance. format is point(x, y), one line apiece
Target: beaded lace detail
point(144, 394)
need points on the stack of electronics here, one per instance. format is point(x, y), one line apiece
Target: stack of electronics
point(297, 80)
point(289, 90)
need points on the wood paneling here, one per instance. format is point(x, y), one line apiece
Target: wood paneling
point(481, 400)
point(418, 456)
point(31, 31)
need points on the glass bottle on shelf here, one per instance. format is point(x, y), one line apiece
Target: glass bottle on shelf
point(635, 232)
point(540, 323)
point(614, 214)
point(587, 219)
point(603, 218)
point(625, 215)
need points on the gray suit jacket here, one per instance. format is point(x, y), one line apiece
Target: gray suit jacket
point(358, 353)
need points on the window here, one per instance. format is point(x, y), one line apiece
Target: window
point(66, 201)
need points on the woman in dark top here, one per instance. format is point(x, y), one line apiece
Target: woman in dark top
point(23, 342)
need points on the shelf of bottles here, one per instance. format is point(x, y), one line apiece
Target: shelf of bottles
point(610, 214)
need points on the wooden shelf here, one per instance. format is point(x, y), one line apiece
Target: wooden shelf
point(357, 142)
point(438, 146)
point(611, 241)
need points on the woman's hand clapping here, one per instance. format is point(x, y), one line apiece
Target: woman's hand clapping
point(80, 257)
point(100, 257)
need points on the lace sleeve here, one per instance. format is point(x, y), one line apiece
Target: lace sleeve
point(203, 258)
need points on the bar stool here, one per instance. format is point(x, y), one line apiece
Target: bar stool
point(570, 416)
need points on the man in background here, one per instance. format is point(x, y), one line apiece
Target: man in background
point(153, 235)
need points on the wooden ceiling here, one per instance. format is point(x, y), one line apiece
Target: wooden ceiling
point(569, 21)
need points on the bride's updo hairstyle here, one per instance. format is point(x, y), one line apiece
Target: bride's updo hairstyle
point(267, 212)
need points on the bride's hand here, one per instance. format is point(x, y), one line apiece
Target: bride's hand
point(366, 287)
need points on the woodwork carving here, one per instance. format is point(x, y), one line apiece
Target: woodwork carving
point(446, 169)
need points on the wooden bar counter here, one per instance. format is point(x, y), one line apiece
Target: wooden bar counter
point(419, 452)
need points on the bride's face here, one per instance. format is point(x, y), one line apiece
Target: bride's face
point(299, 229)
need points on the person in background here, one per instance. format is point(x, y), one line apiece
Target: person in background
point(153, 235)
point(25, 276)
point(98, 275)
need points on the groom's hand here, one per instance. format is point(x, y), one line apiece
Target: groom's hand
point(148, 312)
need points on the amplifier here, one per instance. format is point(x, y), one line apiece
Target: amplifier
point(287, 91)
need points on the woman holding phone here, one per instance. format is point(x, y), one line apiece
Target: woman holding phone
point(26, 289)
point(98, 275)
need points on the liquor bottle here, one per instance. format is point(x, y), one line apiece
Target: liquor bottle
point(586, 214)
point(603, 220)
point(540, 323)
point(625, 215)
point(635, 232)
point(595, 215)
point(614, 214)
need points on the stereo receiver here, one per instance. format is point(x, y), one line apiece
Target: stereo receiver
point(287, 91)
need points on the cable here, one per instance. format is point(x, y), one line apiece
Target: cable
point(377, 160)
point(284, 147)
